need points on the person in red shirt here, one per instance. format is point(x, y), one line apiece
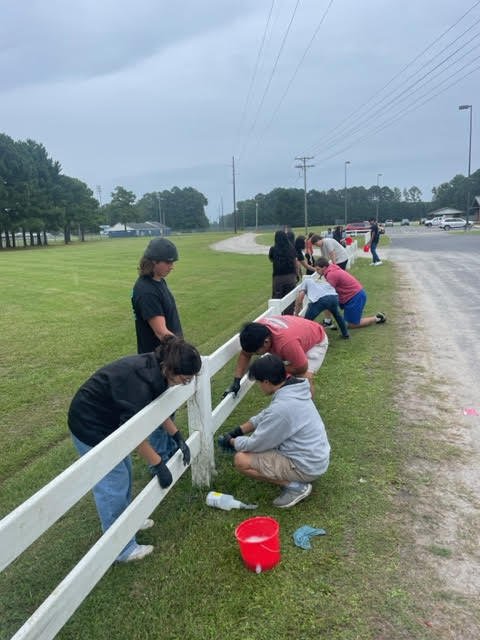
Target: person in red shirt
point(352, 296)
point(301, 344)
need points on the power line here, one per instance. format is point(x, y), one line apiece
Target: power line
point(297, 68)
point(282, 45)
point(254, 75)
point(406, 111)
point(408, 91)
point(356, 111)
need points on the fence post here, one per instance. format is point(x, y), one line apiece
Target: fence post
point(200, 419)
point(276, 305)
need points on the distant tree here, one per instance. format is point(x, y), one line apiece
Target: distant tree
point(121, 208)
point(185, 208)
point(80, 209)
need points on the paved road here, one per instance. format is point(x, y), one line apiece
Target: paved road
point(445, 268)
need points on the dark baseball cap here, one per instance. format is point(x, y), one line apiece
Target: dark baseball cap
point(161, 250)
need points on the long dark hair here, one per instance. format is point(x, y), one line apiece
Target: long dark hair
point(177, 357)
point(282, 244)
point(300, 243)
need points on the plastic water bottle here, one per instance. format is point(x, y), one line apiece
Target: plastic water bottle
point(226, 502)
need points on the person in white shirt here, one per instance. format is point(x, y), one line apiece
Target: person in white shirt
point(331, 250)
point(321, 296)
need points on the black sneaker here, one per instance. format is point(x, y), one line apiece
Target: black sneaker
point(327, 324)
point(381, 317)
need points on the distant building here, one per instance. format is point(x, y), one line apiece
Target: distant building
point(137, 229)
point(475, 209)
point(448, 212)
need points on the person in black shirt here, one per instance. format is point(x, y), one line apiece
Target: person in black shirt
point(156, 314)
point(110, 397)
point(374, 239)
point(284, 276)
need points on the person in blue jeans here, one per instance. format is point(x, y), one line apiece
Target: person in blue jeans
point(374, 240)
point(110, 397)
point(321, 297)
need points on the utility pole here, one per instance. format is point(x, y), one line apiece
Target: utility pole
point(345, 191)
point(221, 207)
point(160, 218)
point(379, 175)
point(234, 198)
point(462, 107)
point(305, 166)
point(256, 217)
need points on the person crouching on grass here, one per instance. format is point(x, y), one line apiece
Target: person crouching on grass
point(286, 443)
point(110, 397)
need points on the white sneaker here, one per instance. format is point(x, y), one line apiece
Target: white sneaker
point(372, 264)
point(377, 264)
point(148, 524)
point(140, 551)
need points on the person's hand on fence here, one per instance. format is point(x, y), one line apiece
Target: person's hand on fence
point(163, 474)
point(233, 388)
point(183, 446)
point(225, 440)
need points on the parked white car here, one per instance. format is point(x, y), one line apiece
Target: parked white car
point(435, 222)
point(453, 223)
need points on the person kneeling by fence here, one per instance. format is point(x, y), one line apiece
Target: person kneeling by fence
point(288, 445)
point(110, 397)
point(301, 344)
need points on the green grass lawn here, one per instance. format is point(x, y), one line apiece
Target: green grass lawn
point(65, 311)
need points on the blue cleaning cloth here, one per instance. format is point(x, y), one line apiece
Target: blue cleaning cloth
point(302, 536)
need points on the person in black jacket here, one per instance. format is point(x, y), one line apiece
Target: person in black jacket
point(110, 397)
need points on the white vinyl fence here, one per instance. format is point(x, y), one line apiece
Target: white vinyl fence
point(24, 525)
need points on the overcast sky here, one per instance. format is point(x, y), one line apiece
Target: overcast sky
point(152, 94)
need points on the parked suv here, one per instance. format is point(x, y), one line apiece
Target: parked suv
point(453, 223)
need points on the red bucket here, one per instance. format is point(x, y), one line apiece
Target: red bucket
point(259, 542)
point(366, 248)
point(348, 240)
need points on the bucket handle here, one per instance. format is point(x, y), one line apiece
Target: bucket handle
point(264, 546)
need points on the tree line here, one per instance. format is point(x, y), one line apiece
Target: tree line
point(283, 206)
point(179, 209)
point(36, 199)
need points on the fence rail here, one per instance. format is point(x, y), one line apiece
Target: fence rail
point(24, 525)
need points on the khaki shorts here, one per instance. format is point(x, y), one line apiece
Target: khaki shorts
point(274, 466)
point(316, 355)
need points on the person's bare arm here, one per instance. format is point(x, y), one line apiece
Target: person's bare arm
point(148, 453)
point(242, 364)
point(299, 302)
point(159, 327)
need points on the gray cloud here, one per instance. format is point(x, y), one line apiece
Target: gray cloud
point(151, 94)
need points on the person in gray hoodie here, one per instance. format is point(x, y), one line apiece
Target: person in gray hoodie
point(286, 443)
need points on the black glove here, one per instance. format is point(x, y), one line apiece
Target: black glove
point(233, 388)
point(163, 474)
point(183, 446)
point(225, 441)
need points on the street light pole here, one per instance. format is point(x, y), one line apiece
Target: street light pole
point(379, 175)
point(462, 107)
point(345, 191)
